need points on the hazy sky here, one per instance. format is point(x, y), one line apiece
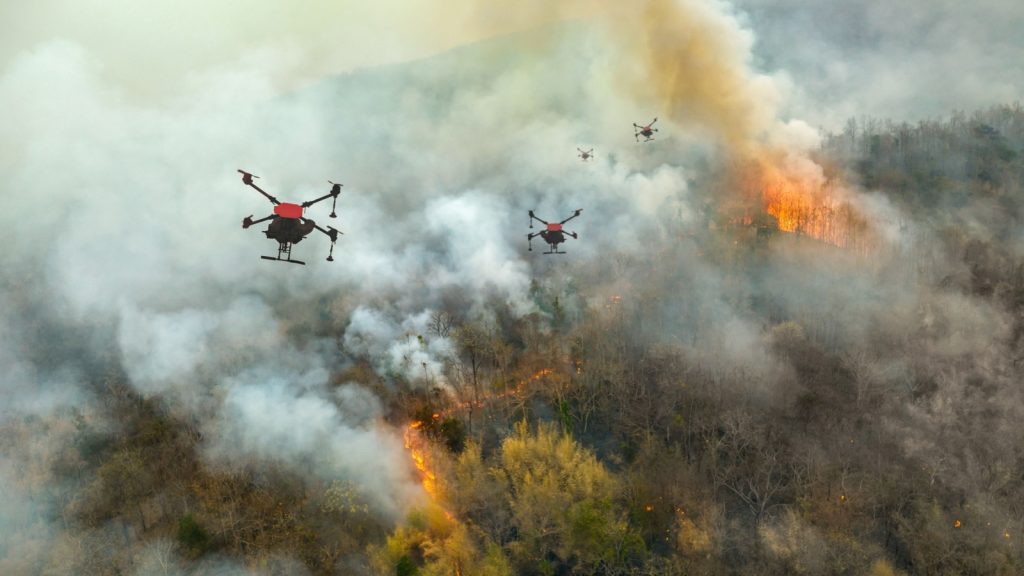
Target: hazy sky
point(148, 47)
point(906, 58)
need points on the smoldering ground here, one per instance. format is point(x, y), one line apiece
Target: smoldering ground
point(123, 218)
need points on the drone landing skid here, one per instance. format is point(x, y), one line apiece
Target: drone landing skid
point(283, 260)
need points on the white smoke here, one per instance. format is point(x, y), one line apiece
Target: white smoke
point(135, 229)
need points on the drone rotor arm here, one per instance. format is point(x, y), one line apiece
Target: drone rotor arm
point(575, 214)
point(332, 234)
point(248, 221)
point(268, 196)
point(309, 203)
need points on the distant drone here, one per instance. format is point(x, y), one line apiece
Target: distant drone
point(553, 234)
point(287, 224)
point(646, 131)
point(586, 154)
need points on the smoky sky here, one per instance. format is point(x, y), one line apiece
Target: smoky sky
point(904, 60)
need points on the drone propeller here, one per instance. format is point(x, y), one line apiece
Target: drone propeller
point(334, 191)
point(334, 237)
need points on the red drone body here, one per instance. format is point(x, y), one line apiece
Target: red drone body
point(290, 211)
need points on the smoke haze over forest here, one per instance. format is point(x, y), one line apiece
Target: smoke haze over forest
point(809, 285)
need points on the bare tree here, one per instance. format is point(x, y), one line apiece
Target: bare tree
point(441, 323)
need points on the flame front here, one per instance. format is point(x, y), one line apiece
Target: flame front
point(428, 478)
point(809, 208)
point(803, 201)
point(415, 444)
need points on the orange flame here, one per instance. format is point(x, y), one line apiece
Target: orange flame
point(415, 448)
point(540, 374)
point(414, 443)
point(810, 209)
point(428, 478)
point(802, 201)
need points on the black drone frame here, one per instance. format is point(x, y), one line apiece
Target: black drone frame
point(285, 248)
point(552, 248)
point(587, 155)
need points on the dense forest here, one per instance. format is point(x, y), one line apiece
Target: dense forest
point(738, 399)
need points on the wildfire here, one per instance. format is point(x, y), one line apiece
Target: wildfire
point(802, 201)
point(414, 443)
point(807, 208)
point(540, 374)
point(420, 459)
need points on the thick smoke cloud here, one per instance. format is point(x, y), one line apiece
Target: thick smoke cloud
point(909, 60)
point(135, 237)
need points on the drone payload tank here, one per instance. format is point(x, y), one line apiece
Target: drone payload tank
point(286, 210)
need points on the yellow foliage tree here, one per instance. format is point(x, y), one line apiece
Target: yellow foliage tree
point(561, 500)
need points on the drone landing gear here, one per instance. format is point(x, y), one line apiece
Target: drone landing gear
point(284, 249)
point(283, 260)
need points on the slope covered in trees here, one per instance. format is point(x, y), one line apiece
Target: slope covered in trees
point(728, 402)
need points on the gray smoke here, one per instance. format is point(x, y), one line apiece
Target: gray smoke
point(134, 236)
point(907, 60)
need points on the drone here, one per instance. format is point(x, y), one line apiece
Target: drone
point(553, 234)
point(586, 154)
point(287, 225)
point(645, 131)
